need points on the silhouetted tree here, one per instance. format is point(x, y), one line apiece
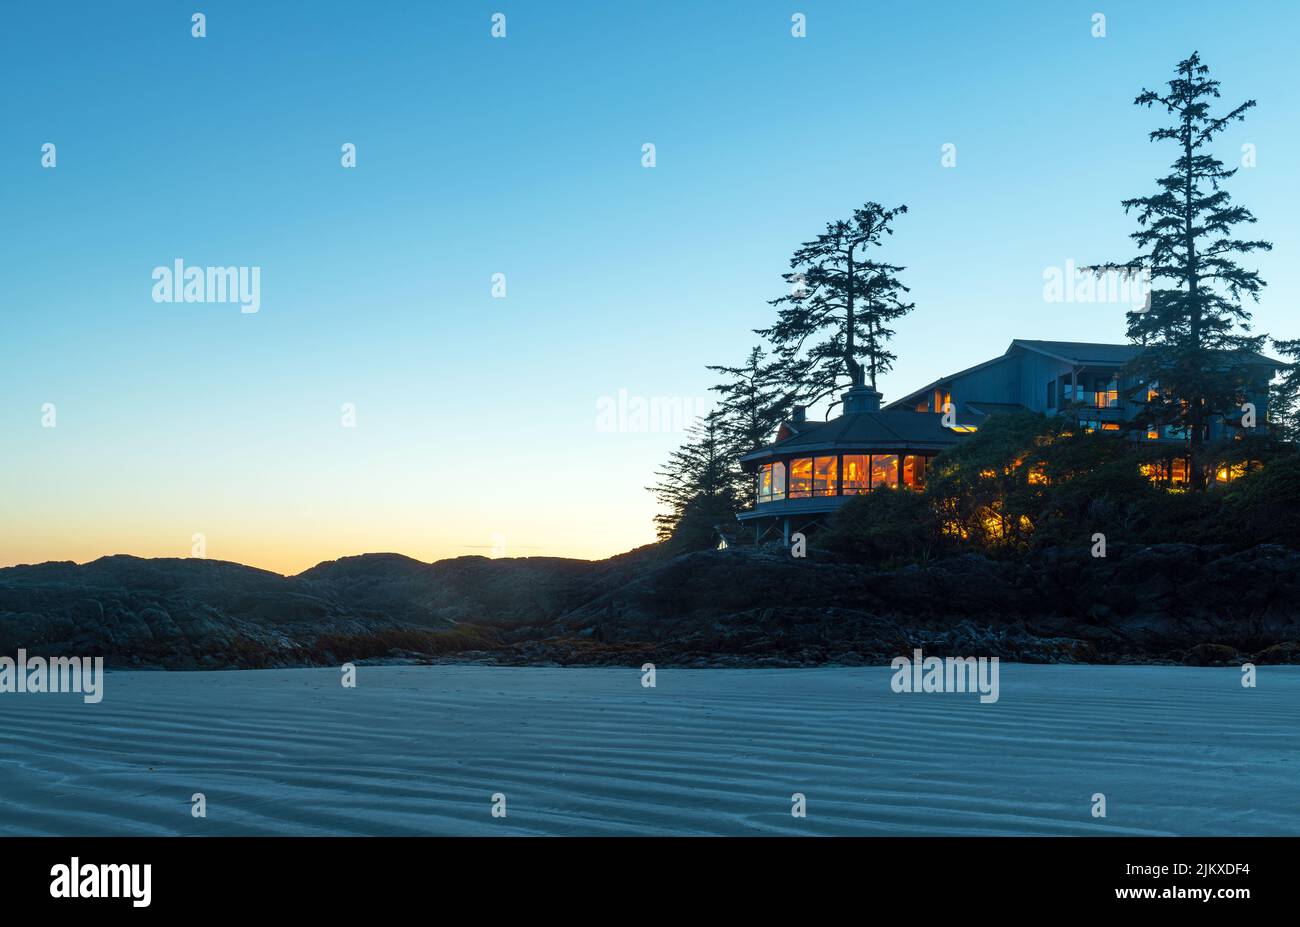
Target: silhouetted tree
point(696, 477)
point(754, 401)
point(1284, 395)
point(1195, 326)
point(835, 319)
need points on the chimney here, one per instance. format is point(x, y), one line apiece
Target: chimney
point(798, 414)
point(861, 399)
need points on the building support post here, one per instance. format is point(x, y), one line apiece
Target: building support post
point(785, 532)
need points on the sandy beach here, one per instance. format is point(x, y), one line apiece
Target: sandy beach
point(420, 750)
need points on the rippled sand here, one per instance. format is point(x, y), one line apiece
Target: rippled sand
point(421, 750)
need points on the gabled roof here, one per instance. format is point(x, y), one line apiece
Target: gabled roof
point(1079, 353)
point(1076, 353)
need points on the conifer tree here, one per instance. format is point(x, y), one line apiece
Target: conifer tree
point(1284, 396)
point(696, 478)
point(834, 321)
point(753, 403)
point(1195, 327)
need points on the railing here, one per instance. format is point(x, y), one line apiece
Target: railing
point(1093, 399)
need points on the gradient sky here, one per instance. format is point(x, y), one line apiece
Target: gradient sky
point(476, 417)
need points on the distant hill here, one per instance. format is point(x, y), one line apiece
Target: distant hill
point(742, 606)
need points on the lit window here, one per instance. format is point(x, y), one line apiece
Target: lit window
point(914, 471)
point(801, 478)
point(1110, 426)
point(1156, 472)
point(884, 470)
point(765, 483)
point(856, 474)
point(1229, 472)
point(778, 480)
point(1107, 396)
point(825, 473)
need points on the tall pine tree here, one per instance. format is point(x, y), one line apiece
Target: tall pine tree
point(1196, 328)
point(753, 402)
point(834, 322)
point(695, 486)
point(1284, 395)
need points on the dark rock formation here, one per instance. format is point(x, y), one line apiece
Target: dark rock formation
point(742, 606)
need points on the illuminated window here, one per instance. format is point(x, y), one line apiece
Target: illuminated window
point(884, 470)
point(1153, 434)
point(801, 478)
point(856, 474)
point(1178, 472)
point(825, 471)
point(765, 483)
point(1156, 472)
point(778, 480)
point(1107, 395)
point(914, 471)
point(1229, 472)
point(1110, 426)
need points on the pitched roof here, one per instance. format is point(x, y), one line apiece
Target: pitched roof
point(885, 429)
point(1078, 353)
point(1088, 352)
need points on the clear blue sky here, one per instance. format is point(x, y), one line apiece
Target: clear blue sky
point(477, 416)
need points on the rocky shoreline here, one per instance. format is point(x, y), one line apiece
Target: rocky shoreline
point(1167, 603)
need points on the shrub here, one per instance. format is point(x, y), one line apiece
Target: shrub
point(695, 529)
point(1263, 507)
point(883, 524)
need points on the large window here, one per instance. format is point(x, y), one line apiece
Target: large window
point(914, 471)
point(771, 482)
point(884, 470)
point(847, 475)
point(1107, 396)
point(825, 474)
point(801, 472)
point(857, 473)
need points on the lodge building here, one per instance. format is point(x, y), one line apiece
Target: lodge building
point(812, 468)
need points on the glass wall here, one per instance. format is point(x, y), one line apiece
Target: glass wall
point(771, 482)
point(857, 473)
point(914, 471)
point(833, 475)
point(801, 478)
point(825, 476)
point(884, 471)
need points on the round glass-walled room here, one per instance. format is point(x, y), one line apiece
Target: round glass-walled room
point(839, 475)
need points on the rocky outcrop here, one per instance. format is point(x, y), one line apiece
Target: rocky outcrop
point(741, 606)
